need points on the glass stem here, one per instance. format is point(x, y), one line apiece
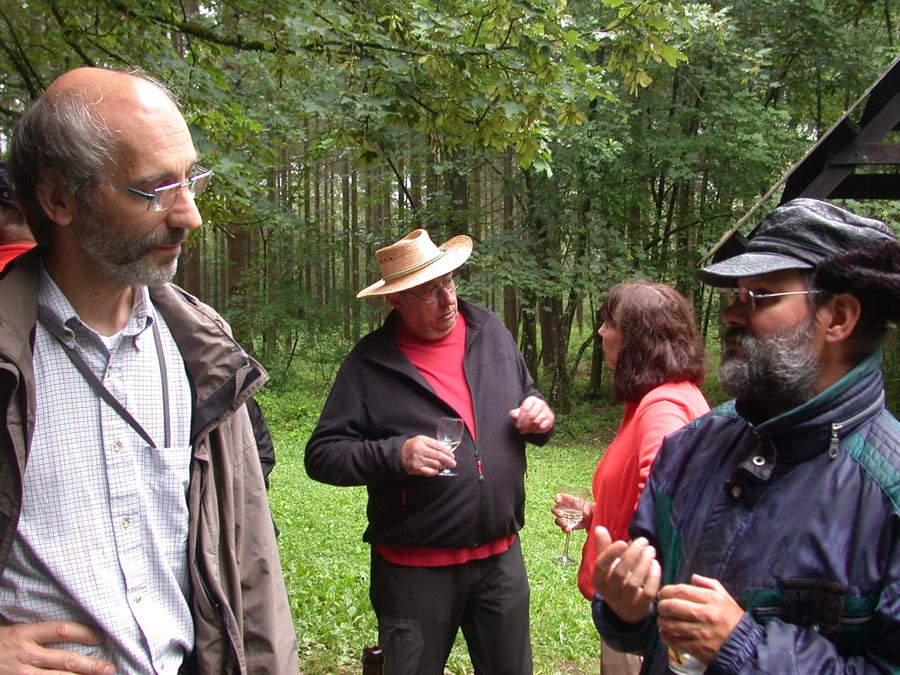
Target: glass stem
point(566, 550)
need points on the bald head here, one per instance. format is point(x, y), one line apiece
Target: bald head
point(114, 96)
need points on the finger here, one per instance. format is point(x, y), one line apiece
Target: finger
point(634, 571)
point(653, 579)
point(48, 632)
point(531, 404)
point(685, 592)
point(71, 662)
point(633, 553)
point(602, 538)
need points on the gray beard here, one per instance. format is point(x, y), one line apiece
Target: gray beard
point(776, 373)
point(125, 261)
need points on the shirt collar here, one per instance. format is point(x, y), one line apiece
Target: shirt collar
point(58, 316)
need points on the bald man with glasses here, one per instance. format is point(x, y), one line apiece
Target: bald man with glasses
point(767, 539)
point(135, 536)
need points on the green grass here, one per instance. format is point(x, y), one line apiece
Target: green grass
point(326, 564)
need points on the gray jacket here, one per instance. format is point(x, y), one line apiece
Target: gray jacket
point(239, 602)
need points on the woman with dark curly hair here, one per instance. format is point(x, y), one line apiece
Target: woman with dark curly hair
point(654, 349)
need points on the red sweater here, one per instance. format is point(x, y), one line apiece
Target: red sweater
point(622, 472)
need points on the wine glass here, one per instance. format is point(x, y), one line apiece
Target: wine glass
point(450, 433)
point(571, 510)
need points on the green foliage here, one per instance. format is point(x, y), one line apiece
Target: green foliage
point(603, 184)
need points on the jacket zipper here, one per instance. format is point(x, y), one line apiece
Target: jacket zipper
point(835, 444)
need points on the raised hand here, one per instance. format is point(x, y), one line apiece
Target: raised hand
point(627, 575)
point(533, 416)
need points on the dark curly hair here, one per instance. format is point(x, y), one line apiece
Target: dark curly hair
point(660, 339)
point(872, 275)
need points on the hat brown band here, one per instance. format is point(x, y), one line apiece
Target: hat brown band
point(418, 267)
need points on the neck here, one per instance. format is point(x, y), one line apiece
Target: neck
point(101, 304)
point(834, 367)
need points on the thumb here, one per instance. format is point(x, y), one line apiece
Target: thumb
point(706, 582)
point(602, 538)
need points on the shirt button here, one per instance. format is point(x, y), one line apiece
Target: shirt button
point(737, 491)
point(117, 446)
point(125, 523)
point(137, 599)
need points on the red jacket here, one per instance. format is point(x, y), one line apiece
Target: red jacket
point(622, 472)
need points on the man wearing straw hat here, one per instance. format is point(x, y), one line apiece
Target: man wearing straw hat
point(445, 550)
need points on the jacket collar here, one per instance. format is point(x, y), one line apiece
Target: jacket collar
point(820, 424)
point(382, 347)
point(222, 375)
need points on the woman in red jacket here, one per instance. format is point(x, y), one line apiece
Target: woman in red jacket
point(652, 345)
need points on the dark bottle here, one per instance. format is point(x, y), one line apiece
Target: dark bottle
point(373, 661)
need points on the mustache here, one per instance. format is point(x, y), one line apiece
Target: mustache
point(169, 237)
point(735, 334)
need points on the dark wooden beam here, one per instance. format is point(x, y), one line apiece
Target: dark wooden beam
point(868, 154)
point(868, 186)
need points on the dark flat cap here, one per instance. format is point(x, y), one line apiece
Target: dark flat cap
point(798, 235)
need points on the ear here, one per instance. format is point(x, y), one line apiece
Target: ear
point(394, 300)
point(54, 197)
point(842, 314)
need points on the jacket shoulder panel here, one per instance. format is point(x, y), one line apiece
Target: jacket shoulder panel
point(876, 448)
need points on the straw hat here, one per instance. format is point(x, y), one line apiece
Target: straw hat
point(414, 260)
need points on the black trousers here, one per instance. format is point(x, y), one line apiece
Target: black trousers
point(421, 609)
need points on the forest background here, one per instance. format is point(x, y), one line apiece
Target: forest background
point(579, 143)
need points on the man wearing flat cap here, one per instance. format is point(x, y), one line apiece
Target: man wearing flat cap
point(445, 549)
point(768, 537)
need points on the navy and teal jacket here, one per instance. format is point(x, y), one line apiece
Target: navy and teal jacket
point(797, 516)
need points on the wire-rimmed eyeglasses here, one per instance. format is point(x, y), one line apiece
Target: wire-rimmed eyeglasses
point(747, 298)
point(431, 295)
point(163, 197)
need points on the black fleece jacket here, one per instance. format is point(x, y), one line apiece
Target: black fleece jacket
point(379, 400)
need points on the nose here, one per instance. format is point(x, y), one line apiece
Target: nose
point(446, 296)
point(736, 314)
point(184, 213)
point(602, 329)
